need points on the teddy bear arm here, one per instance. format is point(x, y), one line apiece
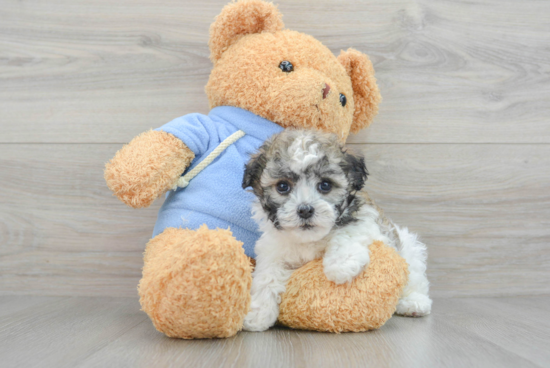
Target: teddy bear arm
point(312, 302)
point(147, 167)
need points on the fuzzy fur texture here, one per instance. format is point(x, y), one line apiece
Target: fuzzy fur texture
point(365, 89)
point(239, 19)
point(247, 44)
point(147, 167)
point(414, 300)
point(312, 302)
point(195, 284)
point(297, 170)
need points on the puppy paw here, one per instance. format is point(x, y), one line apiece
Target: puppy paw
point(341, 267)
point(256, 320)
point(414, 305)
point(261, 317)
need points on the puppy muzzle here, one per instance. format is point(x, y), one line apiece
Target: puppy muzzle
point(305, 211)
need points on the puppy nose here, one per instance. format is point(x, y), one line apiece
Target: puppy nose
point(305, 211)
point(326, 90)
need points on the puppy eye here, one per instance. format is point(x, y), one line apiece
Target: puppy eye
point(343, 99)
point(286, 66)
point(283, 187)
point(325, 186)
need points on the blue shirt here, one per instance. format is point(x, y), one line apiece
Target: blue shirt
point(215, 196)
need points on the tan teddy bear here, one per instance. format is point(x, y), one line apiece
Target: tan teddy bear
point(196, 274)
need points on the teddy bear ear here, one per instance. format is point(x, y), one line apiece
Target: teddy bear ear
point(241, 18)
point(366, 95)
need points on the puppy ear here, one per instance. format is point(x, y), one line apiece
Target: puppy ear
point(241, 18)
point(355, 169)
point(366, 95)
point(253, 171)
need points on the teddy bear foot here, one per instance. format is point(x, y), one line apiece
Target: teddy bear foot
point(196, 283)
point(414, 305)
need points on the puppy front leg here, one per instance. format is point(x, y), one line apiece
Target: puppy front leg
point(268, 283)
point(344, 260)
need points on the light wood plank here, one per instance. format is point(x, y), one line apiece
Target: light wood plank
point(54, 197)
point(10, 304)
point(98, 332)
point(71, 273)
point(437, 340)
point(520, 332)
point(61, 230)
point(534, 309)
point(58, 334)
point(483, 210)
point(99, 71)
point(401, 343)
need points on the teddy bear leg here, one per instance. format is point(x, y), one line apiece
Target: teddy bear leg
point(415, 300)
point(196, 283)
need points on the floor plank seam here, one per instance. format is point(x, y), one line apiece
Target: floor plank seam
point(117, 337)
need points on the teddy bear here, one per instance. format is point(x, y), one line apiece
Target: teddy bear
point(197, 266)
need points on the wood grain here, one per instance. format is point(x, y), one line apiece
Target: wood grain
point(10, 304)
point(59, 333)
point(98, 332)
point(519, 333)
point(459, 152)
point(97, 71)
point(483, 210)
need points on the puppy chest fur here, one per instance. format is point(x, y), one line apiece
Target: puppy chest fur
point(310, 204)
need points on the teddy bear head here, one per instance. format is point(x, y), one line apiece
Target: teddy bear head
point(286, 76)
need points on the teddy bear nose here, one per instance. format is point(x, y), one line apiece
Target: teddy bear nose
point(326, 90)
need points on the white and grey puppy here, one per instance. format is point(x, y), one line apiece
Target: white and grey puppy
point(310, 204)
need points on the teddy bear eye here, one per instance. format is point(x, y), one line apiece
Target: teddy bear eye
point(343, 99)
point(286, 66)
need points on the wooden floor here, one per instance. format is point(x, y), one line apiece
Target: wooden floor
point(113, 332)
point(459, 153)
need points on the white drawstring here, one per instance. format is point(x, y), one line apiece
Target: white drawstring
point(184, 180)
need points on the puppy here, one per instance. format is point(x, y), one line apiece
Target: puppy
point(310, 205)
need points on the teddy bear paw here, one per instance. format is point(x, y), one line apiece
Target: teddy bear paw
point(414, 305)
